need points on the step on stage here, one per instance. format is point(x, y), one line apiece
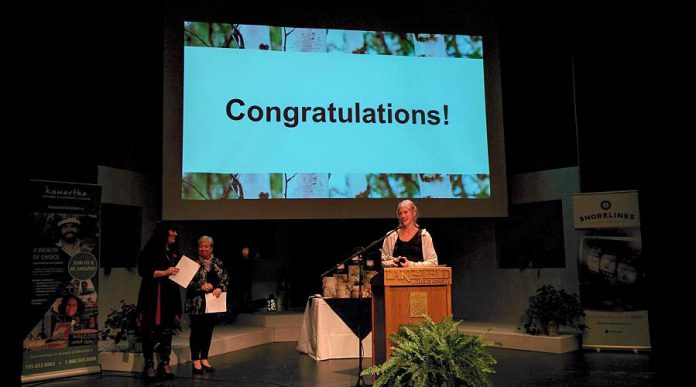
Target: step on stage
point(249, 330)
point(259, 328)
point(510, 337)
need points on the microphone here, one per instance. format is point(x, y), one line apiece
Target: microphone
point(394, 230)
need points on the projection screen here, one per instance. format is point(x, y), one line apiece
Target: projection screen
point(279, 122)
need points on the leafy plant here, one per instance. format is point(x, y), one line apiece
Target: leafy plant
point(430, 354)
point(552, 306)
point(119, 322)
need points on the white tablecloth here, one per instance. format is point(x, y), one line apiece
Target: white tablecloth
point(325, 336)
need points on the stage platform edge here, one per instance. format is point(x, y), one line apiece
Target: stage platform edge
point(248, 330)
point(510, 337)
point(252, 329)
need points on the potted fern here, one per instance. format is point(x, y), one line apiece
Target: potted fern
point(430, 354)
point(549, 309)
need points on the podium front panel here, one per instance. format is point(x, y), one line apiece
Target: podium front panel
point(401, 296)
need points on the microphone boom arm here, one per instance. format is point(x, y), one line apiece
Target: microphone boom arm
point(361, 252)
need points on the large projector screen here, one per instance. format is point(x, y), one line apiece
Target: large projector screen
point(278, 122)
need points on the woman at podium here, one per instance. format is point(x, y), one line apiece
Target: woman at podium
point(409, 245)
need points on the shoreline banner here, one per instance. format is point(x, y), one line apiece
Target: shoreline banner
point(61, 332)
point(612, 271)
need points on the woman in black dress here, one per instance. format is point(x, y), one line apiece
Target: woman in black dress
point(159, 299)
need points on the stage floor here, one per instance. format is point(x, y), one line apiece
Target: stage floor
point(279, 364)
point(254, 329)
point(260, 350)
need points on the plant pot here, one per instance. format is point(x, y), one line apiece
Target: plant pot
point(122, 345)
point(552, 328)
point(135, 344)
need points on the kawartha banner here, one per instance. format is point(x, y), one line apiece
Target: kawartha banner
point(612, 271)
point(61, 332)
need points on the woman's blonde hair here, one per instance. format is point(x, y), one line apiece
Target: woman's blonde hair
point(411, 206)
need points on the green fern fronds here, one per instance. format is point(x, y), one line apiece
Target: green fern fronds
point(430, 354)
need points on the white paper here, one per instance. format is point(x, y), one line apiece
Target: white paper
point(215, 304)
point(187, 269)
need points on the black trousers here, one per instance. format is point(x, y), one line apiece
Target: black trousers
point(201, 334)
point(160, 337)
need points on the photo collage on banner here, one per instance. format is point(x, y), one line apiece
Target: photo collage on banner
point(61, 331)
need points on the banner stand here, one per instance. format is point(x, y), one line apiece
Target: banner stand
point(61, 330)
point(611, 269)
point(61, 374)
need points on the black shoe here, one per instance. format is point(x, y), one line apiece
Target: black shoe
point(207, 368)
point(149, 373)
point(165, 371)
point(196, 371)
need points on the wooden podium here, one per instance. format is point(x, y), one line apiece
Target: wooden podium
point(402, 296)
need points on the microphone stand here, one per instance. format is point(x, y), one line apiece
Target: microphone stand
point(359, 254)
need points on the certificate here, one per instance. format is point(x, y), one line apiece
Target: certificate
point(187, 269)
point(215, 304)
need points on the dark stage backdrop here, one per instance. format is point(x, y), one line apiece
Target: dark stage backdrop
point(296, 252)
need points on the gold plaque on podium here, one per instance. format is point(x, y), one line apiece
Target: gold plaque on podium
point(418, 305)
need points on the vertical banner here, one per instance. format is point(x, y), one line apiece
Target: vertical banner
point(61, 334)
point(612, 271)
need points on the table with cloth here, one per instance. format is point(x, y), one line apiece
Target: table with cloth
point(330, 328)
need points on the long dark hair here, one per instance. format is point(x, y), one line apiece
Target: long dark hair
point(158, 241)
